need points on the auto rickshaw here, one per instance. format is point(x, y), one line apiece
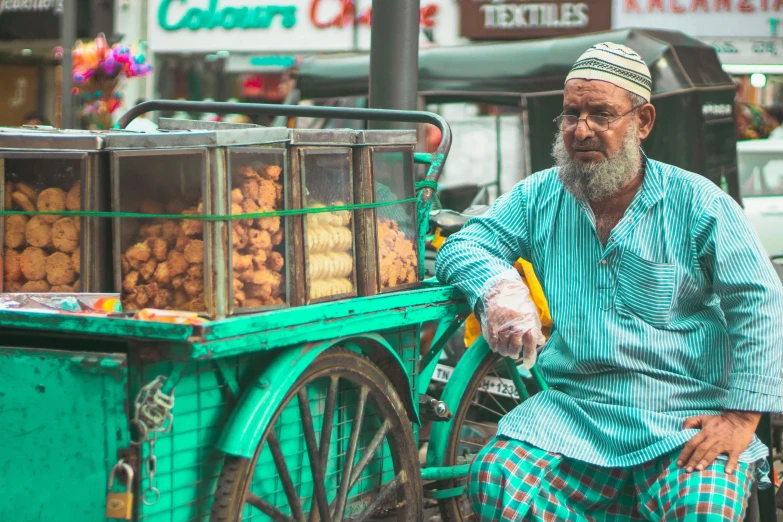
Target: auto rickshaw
point(514, 91)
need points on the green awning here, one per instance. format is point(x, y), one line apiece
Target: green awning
point(500, 72)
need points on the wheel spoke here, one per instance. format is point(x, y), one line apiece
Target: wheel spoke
point(326, 431)
point(484, 425)
point(369, 452)
point(319, 481)
point(476, 403)
point(267, 508)
point(285, 476)
point(356, 428)
point(383, 495)
point(472, 442)
point(492, 396)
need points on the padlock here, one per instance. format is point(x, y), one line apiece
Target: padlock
point(120, 504)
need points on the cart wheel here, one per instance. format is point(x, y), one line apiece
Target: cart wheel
point(364, 465)
point(474, 424)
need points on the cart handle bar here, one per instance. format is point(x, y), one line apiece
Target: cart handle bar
point(438, 158)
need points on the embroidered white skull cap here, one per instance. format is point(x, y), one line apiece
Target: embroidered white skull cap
point(616, 64)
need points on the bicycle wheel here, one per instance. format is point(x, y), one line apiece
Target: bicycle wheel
point(490, 394)
point(364, 466)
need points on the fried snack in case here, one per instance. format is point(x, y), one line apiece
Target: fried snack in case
point(397, 255)
point(257, 267)
point(31, 241)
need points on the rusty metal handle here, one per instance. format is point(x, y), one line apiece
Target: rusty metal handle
point(439, 157)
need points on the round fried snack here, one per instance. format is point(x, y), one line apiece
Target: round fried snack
point(177, 264)
point(35, 286)
point(12, 269)
point(14, 230)
point(51, 200)
point(73, 200)
point(76, 261)
point(130, 281)
point(22, 202)
point(64, 289)
point(12, 287)
point(38, 233)
point(65, 236)
point(28, 191)
point(160, 248)
point(138, 253)
point(59, 270)
point(194, 251)
point(33, 263)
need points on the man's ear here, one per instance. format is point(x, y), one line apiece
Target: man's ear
point(645, 119)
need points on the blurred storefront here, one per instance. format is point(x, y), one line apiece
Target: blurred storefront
point(29, 67)
point(746, 34)
point(243, 49)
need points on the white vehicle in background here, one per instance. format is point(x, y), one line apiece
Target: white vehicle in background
point(760, 164)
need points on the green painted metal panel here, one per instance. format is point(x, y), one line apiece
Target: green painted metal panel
point(352, 325)
point(94, 326)
point(329, 313)
point(63, 418)
point(452, 395)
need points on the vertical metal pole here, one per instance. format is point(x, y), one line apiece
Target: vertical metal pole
point(394, 57)
point(499, 155)
point(67, 39)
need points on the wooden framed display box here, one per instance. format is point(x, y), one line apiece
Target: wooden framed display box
point(43, 169)
point(387, 236)
point(192, 264)
point(322, 175)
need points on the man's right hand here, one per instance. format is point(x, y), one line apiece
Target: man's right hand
point(510, 321)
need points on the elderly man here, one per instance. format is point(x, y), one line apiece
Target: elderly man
point(668, 323)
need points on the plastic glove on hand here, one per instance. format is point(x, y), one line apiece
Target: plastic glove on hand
point(510, 321)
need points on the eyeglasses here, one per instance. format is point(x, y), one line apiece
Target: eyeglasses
point(569, 122)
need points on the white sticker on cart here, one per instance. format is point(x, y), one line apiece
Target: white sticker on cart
point(493, 385)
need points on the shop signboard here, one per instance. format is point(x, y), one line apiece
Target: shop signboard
point(703, 18)
point(748, 51)
point(274, 26)
point(523, 19)
point(30, 19)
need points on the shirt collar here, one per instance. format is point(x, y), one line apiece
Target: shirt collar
point(652, 186)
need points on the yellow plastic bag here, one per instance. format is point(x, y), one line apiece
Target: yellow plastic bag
point(525, 269)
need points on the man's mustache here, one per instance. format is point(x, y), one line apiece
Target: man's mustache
point(591, 144)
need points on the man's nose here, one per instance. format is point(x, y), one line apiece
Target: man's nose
point(583, 131)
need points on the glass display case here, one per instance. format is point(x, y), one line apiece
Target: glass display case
point(322, 178)
point(46, 170)
point(387, 235)
point(259, 254)
point(209, 265)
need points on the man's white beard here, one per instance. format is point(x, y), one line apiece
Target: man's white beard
point(598, 181)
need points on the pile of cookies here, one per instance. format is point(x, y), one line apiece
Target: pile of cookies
point(42, 253)
point(329, 247)
point(164, 267)
point(257, 264)
point(398, 262)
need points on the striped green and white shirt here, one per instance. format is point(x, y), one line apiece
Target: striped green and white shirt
point(680, 314)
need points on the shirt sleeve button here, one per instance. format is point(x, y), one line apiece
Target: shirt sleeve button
point(603, 261)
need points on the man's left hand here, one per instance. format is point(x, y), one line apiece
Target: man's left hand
point(730, 433)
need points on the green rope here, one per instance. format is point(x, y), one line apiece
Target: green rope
point(233, 217)
point(213, 217)
point(427, 183)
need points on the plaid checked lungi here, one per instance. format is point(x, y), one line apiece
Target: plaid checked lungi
point(511, 480)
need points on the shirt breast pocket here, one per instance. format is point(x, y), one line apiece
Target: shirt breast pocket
point(646, 289)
